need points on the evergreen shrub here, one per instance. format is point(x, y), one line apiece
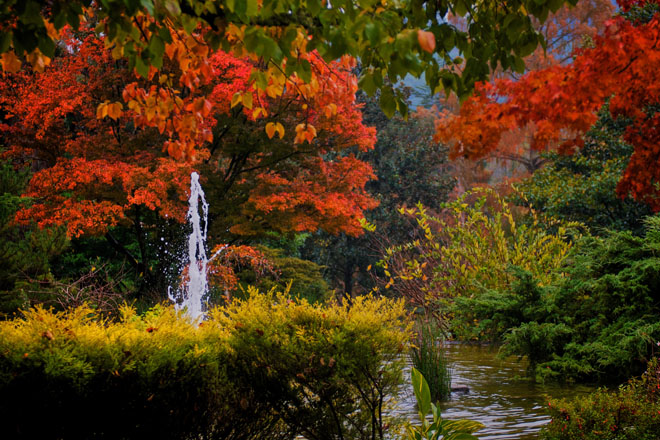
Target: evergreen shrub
point(598, 322)
point(266, 367)
point(630, 413)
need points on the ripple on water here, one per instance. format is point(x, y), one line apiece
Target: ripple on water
point(510, 406)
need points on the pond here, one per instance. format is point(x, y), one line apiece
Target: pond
point(500, 397)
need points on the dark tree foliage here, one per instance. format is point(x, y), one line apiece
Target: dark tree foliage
point(582, 186)
point(410, 168)
point(25, 252)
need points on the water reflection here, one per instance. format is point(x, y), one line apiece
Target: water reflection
point(510, 406)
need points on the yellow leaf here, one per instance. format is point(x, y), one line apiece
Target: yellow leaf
point(247, 100)
point(10, 62)
point(236, 99)
point(114, 110)
point(117, 51)
point(38, 60)
point(259, 111)
point(273, 91)
point(53, 33)
point(102, 110)
point(279, 128)
point(330, 110)
point(270, 130)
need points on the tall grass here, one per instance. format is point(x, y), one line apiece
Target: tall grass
point(428, 357)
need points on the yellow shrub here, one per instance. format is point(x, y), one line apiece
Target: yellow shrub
point(470, 247)
point(265, 367)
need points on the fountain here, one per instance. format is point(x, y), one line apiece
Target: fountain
point(191, 294)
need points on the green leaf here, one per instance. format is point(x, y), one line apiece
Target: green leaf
point(402, 107)
point(59, 20)
point(148, 5)
point(173, 7)
point(5, 41)
point(32, 14)
point(141, 67)
point(367, 83)
point(156, 46)
point(518, 65)
point(372, 31)
point(338, 45)
point(73, 19)
point(47, 47)
point(461, 426)
point(305, 70)
point(260, 79)
point(164, 34)
point(422, 392)
point(314, 6)
point(528, 48)
point(514, 25)
point(252, 8)
point(240, 8)
point(387, 102)
point(460, 436)
point(188, 22)
point(554, 5)
point(271, 50)
point(460, 8)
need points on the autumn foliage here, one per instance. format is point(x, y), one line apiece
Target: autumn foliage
point(105, 143)
point(89, 172)
point(562, 101)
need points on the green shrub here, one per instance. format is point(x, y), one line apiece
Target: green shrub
point(630, 413)
point(267, 367)
point(598, 323)
point(305, 277)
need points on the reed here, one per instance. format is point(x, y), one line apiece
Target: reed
point(427, 356)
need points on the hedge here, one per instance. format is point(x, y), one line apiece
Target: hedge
point(265, 367)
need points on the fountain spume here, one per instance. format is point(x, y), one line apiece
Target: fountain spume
point(191, 295)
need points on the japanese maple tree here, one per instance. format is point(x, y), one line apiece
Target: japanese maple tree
point(562, 101)
point(564, 31)
point(99, 141)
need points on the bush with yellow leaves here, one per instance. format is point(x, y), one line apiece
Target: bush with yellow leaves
point(266, 367)
point(469, 248)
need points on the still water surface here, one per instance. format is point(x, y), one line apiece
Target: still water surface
point(500, 396)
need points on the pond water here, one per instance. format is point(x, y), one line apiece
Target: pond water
point(500, 397)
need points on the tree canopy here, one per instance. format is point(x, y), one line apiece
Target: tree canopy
point(391, 39)
point(562, 101)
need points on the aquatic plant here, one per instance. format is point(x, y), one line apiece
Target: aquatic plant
point(427, 356)
point(438, 429)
